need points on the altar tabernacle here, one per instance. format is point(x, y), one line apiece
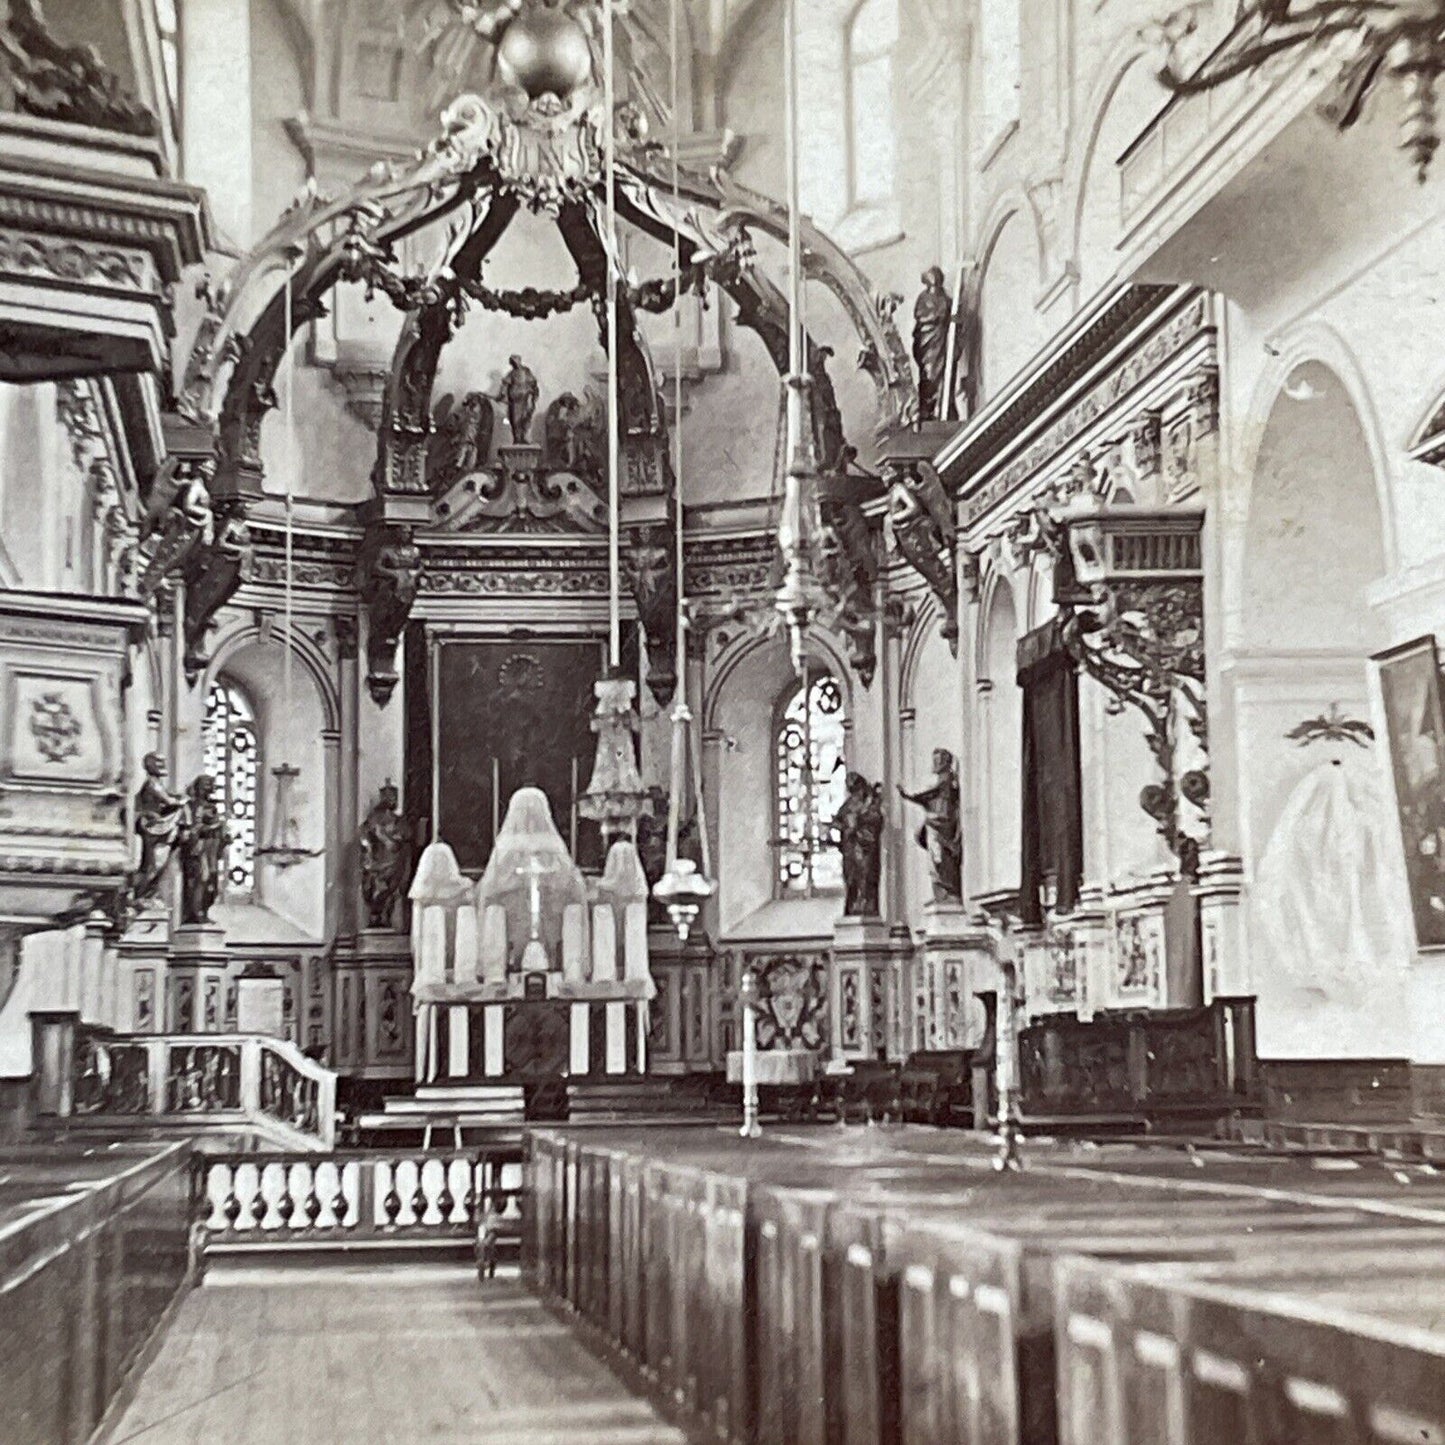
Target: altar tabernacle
point(529, 973)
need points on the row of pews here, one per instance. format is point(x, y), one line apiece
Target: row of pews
point(888, 1285)
point(94, 1254)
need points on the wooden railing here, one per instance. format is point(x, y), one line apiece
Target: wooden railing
point(356, 1196)
point(229, 1079)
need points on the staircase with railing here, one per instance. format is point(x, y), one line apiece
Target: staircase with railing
point(245, 1084)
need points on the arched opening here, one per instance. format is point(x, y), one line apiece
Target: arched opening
point(1009, 323)
point(1002, 718)
point(230, 749)
point(1327, 930)
point(1133, 100)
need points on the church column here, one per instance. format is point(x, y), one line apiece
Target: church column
point(216, 110)
point(346, 818)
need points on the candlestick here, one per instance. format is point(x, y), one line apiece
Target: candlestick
point(748, 998)
point(1005, 1052)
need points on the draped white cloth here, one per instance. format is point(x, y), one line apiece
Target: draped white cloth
point(1327, 903)
point(529, 853)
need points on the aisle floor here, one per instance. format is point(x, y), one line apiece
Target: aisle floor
point(352, 1356)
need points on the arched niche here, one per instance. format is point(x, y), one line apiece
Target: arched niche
point(932, 692)
point(1008, 289)
point(1313, 540)
point(1316, 819)
point(290, 902)
point(1000, 718)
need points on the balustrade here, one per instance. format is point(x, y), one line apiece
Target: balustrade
point(356, 1195)
point(233, 1079)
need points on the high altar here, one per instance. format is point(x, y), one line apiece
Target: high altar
point(530, 973)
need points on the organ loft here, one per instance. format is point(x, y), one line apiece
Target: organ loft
point(721, 718)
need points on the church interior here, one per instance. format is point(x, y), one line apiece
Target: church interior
point(745, 721)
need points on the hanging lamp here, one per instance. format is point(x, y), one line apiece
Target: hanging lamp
point(615, 797)
point(683, 889)
point(284, 849)
point(800, 596)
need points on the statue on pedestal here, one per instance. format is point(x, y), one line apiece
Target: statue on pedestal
point(385, 858)
point(932, 314)
point(203, 840)
point(859, 822)
point(159, 817)
point(942, 830)
point(520, 392)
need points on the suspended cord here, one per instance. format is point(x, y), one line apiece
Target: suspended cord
point(614, 485)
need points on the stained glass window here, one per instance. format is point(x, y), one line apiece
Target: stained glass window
point(229, 745)
point(811, 786)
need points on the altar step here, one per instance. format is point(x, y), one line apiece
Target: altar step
point(636, 1099)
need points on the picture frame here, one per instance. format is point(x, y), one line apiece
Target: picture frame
point(1413, 704)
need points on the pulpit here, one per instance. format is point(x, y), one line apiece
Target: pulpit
point(530, 974)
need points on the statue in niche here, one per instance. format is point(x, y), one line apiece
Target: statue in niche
point(159, 817)
point(942, 832)
point(203, 840)
point(520, 392)
point(385, 850)
point(859, 822)
point(933, 320)
point(462, 442)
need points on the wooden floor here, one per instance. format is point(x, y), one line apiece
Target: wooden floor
point(351, 1356)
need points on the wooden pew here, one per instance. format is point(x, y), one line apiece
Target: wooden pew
point(1348, 1347)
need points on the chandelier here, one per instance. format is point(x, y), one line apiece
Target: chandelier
point(1402, 40)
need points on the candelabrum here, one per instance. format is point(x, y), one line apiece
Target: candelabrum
point(749, 1001)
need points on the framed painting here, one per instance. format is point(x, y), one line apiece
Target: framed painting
point(1410, 693)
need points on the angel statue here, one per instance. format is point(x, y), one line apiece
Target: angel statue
point(462, 442)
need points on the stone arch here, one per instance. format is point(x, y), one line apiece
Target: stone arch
point(1317, 344)
point(821, 645)
point(314, 664)
point(1010, 274)
point(1125, 51)
point(1000, 738)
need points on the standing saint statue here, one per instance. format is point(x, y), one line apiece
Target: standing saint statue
point(932, 314)
point(520, 392)
point(859, 822)
point(203, 840)
point(159, 817)
point(942, 831)
point(385, 858)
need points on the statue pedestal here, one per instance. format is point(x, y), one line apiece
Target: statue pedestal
point(373, 1033)
point(956, 962)
point(862, 1001)
point(196, 979)
point(260, 1001)
point(520, 458)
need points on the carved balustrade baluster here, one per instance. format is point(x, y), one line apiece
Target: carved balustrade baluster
point(231, 1205)
point(312, 1206)
point(391, 1201)
point(445, 1200)
point(340, 1204)
point(419, 1201)
point(285, 1205)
